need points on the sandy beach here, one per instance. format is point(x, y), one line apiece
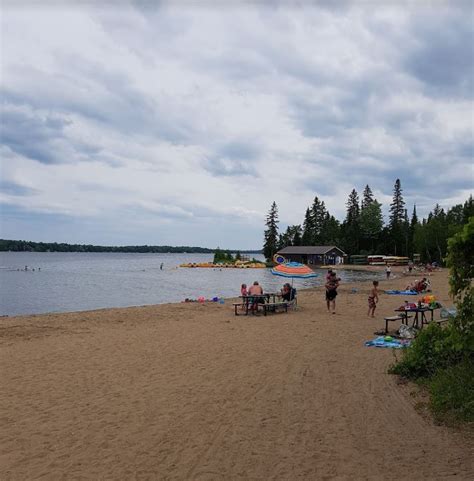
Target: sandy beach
point(192, 392)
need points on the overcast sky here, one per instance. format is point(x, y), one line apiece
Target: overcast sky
point(172, 123)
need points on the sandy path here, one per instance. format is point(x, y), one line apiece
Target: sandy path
point(192, 392)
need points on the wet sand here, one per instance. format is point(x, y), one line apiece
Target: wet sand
point(191, 392)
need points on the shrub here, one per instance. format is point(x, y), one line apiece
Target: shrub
point(452, 392)
point(434, 348)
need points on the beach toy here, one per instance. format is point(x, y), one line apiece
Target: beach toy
point(201, 299)
point(388, 338)
point(279, 259)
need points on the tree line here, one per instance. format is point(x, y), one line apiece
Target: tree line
point(29, 246)
point(364, 232)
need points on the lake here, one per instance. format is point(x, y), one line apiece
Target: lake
point(63, 282)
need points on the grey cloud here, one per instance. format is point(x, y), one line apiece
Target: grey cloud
point(40, 135)
point(31, 134)
point(233, 159)
point(109, 98)
point(240, 150)
point(15, 189)
point(444, 60)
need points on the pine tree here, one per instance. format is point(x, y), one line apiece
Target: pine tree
point(270, 245)
point(350, 229)
point(414, 218)
point(331, 230)
point(371, 225)
point(413, 227)
point(296, 233)
point(468, 209)
point(406, 234)
point(397, 216)
point(308, 228)
point(318, 214)
point(353, 210)
point(367, 197)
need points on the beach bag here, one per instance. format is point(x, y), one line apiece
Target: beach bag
point(447, 312)
point(407, 332)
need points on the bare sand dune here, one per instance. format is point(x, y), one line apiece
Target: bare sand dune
point(191, 392)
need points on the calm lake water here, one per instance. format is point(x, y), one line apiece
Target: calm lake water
point(83, 281)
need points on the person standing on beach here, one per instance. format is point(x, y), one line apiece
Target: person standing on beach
point(373, 299)
point(388, 271)
point(331, 292)
point(257, 291)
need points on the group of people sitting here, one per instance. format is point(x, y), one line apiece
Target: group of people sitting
point(419, 286)
point(287, 293)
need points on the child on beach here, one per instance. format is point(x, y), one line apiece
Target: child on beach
point(373, 299)
point(243, 293)
point(331, 292)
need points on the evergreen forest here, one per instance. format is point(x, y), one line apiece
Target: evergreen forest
point(364, 232)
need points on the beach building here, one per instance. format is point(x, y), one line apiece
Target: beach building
point(314, 255)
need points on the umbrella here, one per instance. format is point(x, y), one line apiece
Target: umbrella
point(293, 269)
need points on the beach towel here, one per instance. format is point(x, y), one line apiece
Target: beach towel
point(402, 293)
point(393, 343)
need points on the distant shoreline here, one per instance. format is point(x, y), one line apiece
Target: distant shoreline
point(7, 245)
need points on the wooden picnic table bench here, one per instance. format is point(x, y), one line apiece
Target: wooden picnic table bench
point(399, 317)
point(261, 303)
point(273, 307)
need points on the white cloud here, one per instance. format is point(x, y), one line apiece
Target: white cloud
point(198, 117)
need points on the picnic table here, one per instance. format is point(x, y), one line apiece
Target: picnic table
point(269, 302)
point(419, 313)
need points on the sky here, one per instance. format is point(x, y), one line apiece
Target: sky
point(179, 123)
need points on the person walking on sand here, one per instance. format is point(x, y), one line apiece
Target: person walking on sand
point(388, 271)
point(373, 299)
point(331, 292)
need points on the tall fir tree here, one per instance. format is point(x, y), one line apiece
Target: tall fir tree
point(271, 238)
point(396, 219)
point(371, 225)
point(297, 235)
point(406, 235)
point(331, 230)
point(468, 210)
point(371, 221)
point(308, 228)
point(367, 197)
point(353, 209)
point(318, 214)
point(413, 227)
point(350, 229)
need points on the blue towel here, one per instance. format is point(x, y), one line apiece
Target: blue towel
point(381, 342)
point(402, 293)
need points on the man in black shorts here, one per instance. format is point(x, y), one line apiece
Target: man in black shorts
point(331, 292)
